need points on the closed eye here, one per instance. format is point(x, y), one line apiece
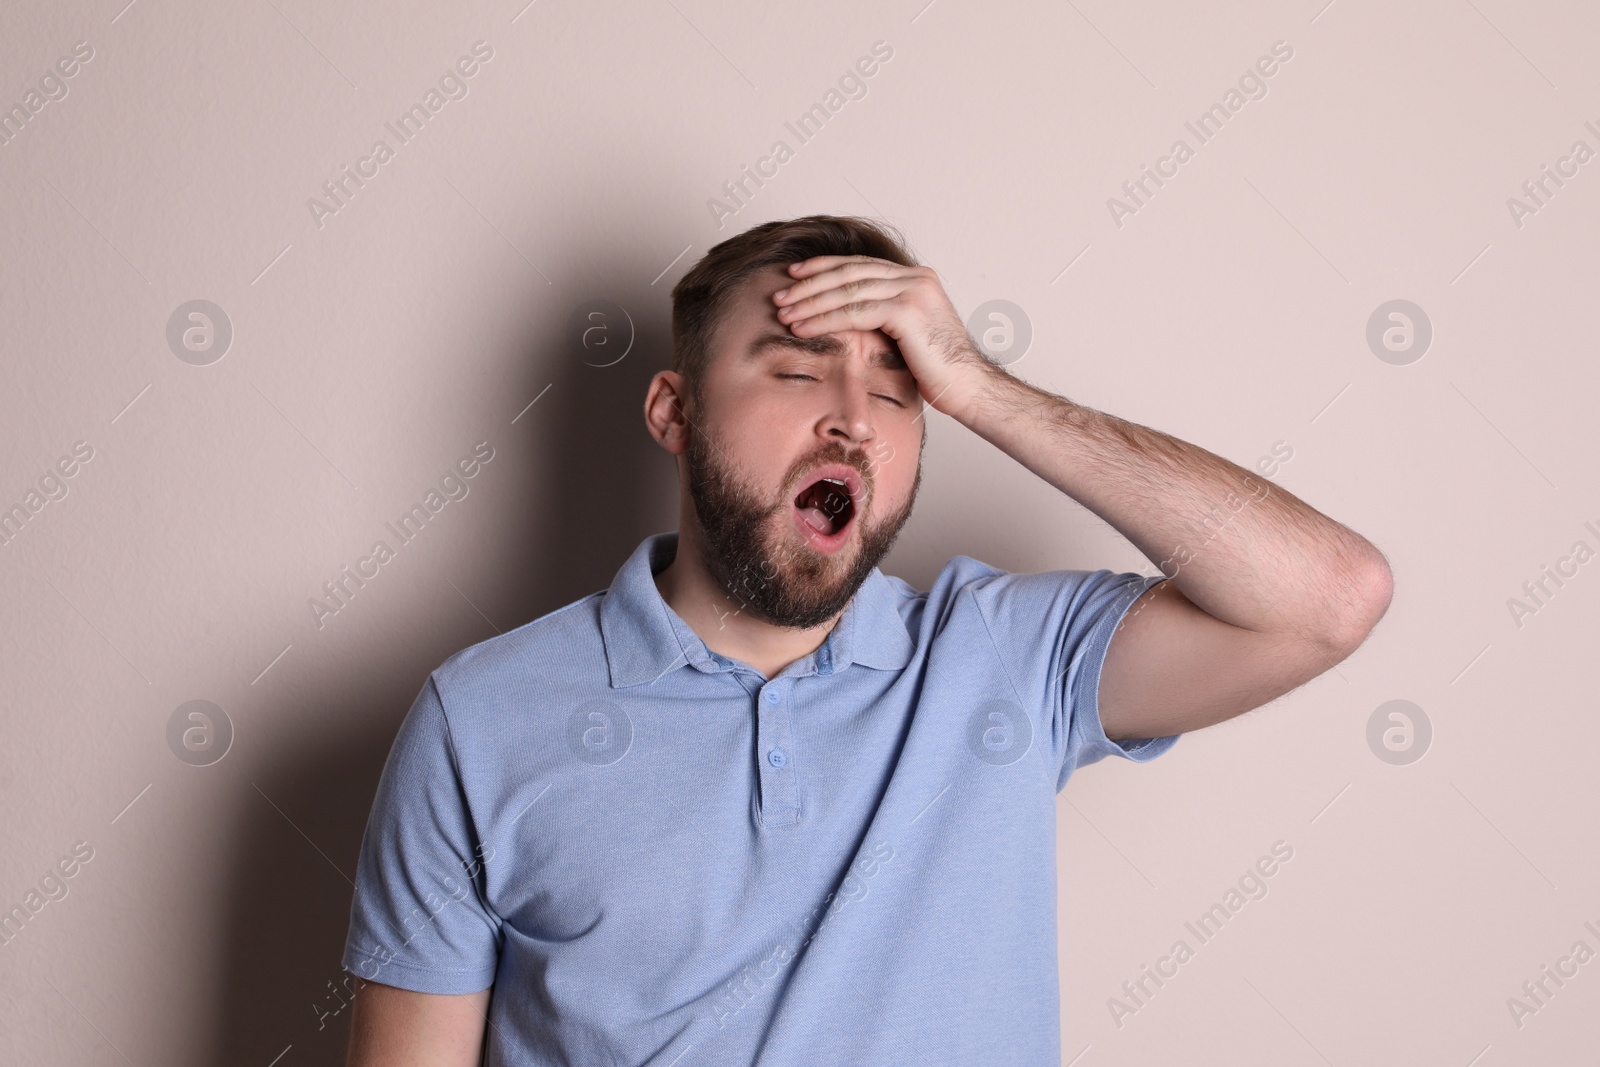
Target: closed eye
point(808, 378)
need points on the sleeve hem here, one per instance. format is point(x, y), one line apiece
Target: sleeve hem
point(1095, 745)
point(451, 981)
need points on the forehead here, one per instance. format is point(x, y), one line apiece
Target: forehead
point(750, 329)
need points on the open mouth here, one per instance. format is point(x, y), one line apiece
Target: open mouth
point(826, 506)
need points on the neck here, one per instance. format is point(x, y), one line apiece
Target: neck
point(727, 627)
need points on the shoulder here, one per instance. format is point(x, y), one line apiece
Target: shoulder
point(959, 575)
point(562, 640)
point(971, 595)
point(933, 611)
point(956, 576)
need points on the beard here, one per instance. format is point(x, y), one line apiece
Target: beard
point(753, 550)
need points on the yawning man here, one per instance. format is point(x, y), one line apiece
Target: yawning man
point(760, 803)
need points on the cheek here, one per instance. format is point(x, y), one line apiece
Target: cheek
point(757, 413)
point(741, 422)
point(894, 467)
point(759, 441)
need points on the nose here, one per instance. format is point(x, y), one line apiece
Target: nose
point(849, 416)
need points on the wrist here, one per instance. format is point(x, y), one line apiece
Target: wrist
point(976, 392)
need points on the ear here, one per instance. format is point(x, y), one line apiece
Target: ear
point(663, 411)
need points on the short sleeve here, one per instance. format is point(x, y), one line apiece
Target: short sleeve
point(1076, 613)
point(418, 920)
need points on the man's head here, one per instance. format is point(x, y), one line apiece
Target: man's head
point(801, 457)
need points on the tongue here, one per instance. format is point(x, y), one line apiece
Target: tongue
point(817, 519)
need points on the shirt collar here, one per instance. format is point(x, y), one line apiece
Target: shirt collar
point(645, 639)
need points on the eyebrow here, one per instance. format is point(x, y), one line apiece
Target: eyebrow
point(823, 345)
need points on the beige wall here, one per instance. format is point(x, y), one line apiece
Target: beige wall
point(375, 346)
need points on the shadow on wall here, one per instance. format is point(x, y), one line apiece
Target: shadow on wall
point(606, 486)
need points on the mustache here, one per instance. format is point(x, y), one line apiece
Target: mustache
point(830, 453)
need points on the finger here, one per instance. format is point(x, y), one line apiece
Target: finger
point(849, 292)
point(844, 268)
point(858, 315)
point(811, 266)
point(819, 277)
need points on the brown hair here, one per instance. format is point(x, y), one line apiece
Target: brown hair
point(701, 296)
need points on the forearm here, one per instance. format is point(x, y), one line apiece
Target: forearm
point(1244, 550)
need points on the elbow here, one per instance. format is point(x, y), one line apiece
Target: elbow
point(1370, 589)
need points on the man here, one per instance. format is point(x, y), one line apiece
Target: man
point(758, 802)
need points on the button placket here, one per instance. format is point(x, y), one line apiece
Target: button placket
point(779, 796)
point(826, 656)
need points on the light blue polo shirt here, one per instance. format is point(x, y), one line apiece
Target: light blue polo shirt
point(655, 854)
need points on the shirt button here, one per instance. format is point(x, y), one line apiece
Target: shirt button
point(774, 697)
point(777, 758)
